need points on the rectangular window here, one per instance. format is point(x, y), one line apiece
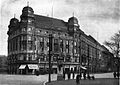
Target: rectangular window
point(29, 29)
point(56, 46)
point(61, 45)
point(21, 57)
point(23, 29)
point(67, 46)
point(42, 44)
point(30, 45)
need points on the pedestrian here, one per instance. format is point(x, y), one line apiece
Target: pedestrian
point(84, 75)
point(88, 76)
point(117, 75)
point(69, 75)
point(114, 74)
point(73, 74)
point(63, 74)
point(77, 79)
point(80, 76)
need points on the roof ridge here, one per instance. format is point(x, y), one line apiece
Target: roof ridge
point(49, 17)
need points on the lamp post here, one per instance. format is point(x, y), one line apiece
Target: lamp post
point(50, 54)
point(118, 61)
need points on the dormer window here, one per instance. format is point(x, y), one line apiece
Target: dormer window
point(29, 21)
point(24, 20)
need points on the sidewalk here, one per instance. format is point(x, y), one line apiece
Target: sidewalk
point(98, 81)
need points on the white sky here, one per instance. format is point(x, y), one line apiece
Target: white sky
point(99, 18)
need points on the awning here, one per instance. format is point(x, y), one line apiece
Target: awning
point(33, 66)
point(83, 67)
point(22, 67)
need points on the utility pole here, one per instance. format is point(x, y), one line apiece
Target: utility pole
point(50, 54)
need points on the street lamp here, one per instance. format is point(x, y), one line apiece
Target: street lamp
point(50, 54)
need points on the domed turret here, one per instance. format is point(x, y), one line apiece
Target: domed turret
point(73, 25)
point(73, 21)
point(27, 12)
point(27, 9)
point(14, 21)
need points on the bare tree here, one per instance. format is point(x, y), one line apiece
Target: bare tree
point(114, 44)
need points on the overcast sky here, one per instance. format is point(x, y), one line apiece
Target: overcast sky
point(99, 18)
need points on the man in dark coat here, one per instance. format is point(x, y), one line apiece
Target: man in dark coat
point(84, 75)
point(64, 74)
point(117, 75)
point(77, 80)
point(114, 74)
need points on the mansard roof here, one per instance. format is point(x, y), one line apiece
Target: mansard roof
point(50, 23)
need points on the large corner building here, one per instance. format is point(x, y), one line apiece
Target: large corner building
point(28, 45)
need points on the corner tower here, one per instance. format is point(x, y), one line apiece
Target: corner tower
point(73, 25)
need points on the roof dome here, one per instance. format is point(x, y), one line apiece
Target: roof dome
point(73, 20)
point(28, 9)
point(14, 21)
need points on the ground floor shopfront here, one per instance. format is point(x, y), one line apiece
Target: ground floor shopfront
point(43, 68)
point(28, 68)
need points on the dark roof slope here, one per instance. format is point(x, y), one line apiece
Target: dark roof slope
point(51, 23)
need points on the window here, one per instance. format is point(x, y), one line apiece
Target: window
point(29, 29)
point(67, 59)
point(29, 21)
point(56, 47)
point(23, 29)
point(74, 50)
point(75, 43)
point(30, 45)
point(67, 46)
point(24, 20)
point(54, 58)
point(42, 58)
point(42, 44)
point(21, 57)
point(29, 38)
point(23, 38)
point(61, 45)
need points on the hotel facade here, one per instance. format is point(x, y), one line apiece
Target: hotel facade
point(28, 45)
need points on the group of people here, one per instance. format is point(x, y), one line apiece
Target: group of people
point(85, 76)
point(69, 73)
point(116, 74)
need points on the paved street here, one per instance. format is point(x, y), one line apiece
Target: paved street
point(24, 79)
point(6, 79)
point(98, 81)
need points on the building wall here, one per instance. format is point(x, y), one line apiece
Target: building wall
point(28, 44)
